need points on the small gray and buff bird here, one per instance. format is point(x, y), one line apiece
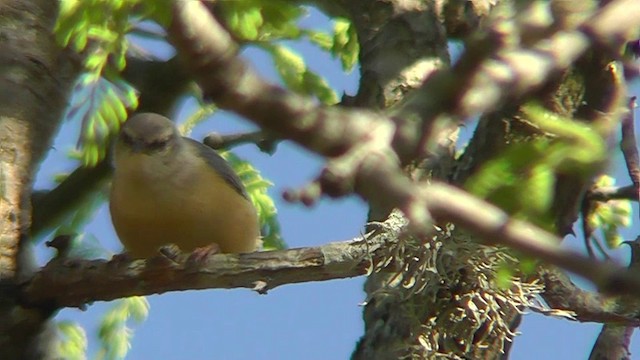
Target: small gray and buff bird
point(169, 189)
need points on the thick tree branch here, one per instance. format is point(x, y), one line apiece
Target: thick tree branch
point(359, 144)
point(612, 343)
point(64, 283)
point(562, 294)
point(35, 81)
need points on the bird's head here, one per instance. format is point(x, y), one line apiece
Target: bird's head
point(148, 134)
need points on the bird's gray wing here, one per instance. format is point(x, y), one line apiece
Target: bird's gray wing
point(217, 162)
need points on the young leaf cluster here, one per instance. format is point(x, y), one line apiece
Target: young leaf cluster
point(72, 341)
point(266, 23)
point(97, 31)
point(609, 216)
point(257, 188)
point(114, 334)
point(522, 179)
point(101, 107)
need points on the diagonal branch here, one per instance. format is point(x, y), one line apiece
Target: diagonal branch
point(562, 294)
point(359, 144)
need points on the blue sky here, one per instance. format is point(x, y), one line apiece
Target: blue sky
point(320, 320)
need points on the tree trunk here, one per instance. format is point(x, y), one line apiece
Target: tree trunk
point(34, 85)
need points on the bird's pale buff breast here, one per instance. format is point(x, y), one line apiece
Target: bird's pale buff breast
point(191, 212)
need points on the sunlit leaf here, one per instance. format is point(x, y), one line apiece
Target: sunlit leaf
point(257, 188)
point(72, 341)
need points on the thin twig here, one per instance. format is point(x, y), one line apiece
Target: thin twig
point(629, 147)
point(261, 139)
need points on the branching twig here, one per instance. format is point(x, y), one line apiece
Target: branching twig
point(629, 147)
point(614, 339)
point(52, 207)
point(561, 293)
point(613, 193)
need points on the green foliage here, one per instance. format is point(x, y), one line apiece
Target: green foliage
point(257, 187)
point(296, 75)
point(609, 216)
point(505, 271)
point(580, 146)
point(504, 276)
point(114, 334)
point(101, 106)
point(345, 43)
point(266, 22)
point(521, 180)
point(202, 112)
point(262, 20)
point(81, 23)
point(72, 341)
point(97, 30)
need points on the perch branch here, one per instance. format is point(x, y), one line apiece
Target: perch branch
point(74, 283)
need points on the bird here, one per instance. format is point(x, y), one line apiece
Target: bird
point(170, 189)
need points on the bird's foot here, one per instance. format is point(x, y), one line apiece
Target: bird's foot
point(201, 254)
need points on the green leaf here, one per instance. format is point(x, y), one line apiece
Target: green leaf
point(609, 216)
point(296, 76)
point(290, 66)
point(138, 308)
point(537, 189)
point(345, 43)
point(249, 22)
point(72, 341)
point(115, 336)
point(318, 86)
point(257, 188)
point(321, 39)
point(101, 106)
point(504, 274)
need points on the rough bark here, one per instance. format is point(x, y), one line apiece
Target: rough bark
point(34, 86)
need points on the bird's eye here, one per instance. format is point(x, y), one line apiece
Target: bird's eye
point(126, 138)
point(158, 144)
